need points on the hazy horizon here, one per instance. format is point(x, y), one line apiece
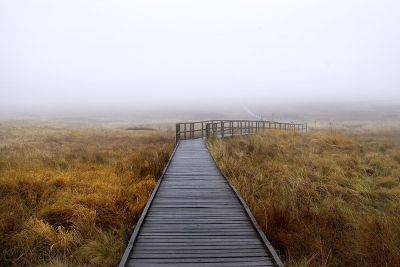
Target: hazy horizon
point(66, 56)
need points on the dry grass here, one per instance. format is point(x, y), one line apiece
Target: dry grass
point(323, 199)
point(71, 196)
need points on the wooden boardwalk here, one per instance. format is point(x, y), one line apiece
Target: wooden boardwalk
point(195, 218)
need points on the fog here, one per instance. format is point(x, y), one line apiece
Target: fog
point(107, 56)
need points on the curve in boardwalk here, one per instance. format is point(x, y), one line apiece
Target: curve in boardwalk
point(195, 218)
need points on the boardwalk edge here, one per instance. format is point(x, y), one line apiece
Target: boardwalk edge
point(136, 231)
point(261, 234)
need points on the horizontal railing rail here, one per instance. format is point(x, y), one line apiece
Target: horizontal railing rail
point(225, 128)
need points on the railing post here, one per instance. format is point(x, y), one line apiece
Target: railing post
point(184, 128)
point(202, 129)
point(222, 129)
point(178, 132)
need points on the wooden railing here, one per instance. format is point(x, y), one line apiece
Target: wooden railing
point(225, 128)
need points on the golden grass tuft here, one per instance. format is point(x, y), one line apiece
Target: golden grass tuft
point(103, 251)
point(71, 196)
point(323, 199)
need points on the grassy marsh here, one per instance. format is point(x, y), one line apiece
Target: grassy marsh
point(70, 196)
point(323, 198)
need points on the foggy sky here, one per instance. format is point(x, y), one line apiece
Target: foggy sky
point(94, 52)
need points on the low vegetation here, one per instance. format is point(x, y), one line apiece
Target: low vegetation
point(323, 199)
point(71, 196)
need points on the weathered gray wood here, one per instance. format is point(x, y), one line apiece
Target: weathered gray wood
point(196, 219)
point(204, 264)
point(196, 129)
point(243, 260)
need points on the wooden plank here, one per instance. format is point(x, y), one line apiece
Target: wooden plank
point(198, 234)
point(243, 260)
point(178, 255)
point(214, 264)
point(190, 249)
point(195, 250)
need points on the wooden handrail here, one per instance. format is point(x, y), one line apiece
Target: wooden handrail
point(224, 128)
